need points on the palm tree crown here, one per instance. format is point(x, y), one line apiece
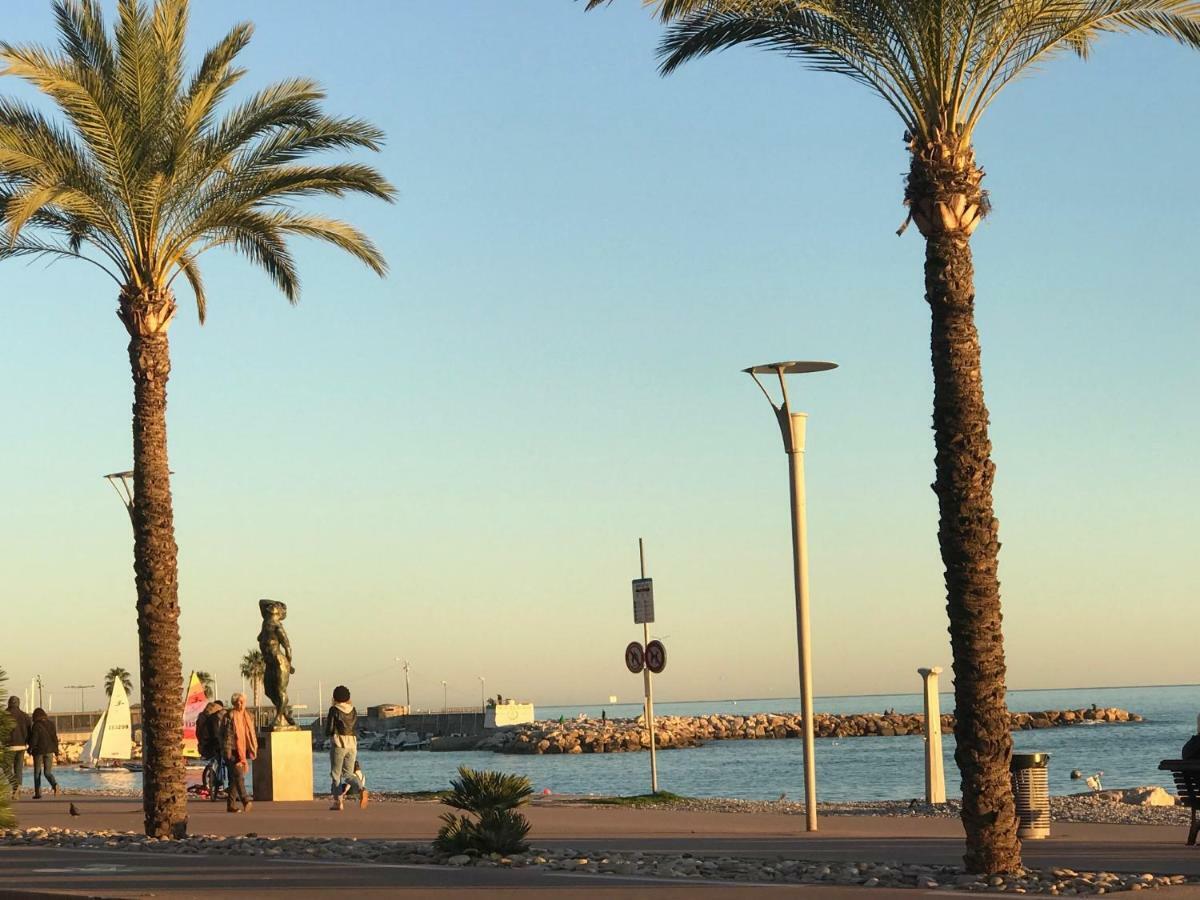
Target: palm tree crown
point(113, 675)
point(209, 683)
point(145, 174)
point(937, 63)
point(253, 668)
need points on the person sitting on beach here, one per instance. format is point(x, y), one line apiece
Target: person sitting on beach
point(1191, 750)
point(43, 746)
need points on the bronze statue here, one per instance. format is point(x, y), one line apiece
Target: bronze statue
point(277, 659)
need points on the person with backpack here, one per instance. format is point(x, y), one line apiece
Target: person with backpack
point(209, 730)
point(18, 743)
point(343, 749)
point(43, 747)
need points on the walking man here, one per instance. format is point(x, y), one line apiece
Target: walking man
point(343, 749)
point(18, 743)
point(240, 744)
point(43, 747)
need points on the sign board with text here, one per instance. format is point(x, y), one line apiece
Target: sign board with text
point(643, 601)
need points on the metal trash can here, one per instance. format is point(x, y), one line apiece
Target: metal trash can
point(1031, 792)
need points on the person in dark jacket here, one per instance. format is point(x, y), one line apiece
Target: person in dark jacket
point(18, 743)
point(210, 729)
point(340, 728)
point(43, 747)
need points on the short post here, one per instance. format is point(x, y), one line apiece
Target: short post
point(935, 776)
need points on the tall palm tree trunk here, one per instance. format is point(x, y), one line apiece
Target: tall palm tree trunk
point(147, 315)
point(946, 200)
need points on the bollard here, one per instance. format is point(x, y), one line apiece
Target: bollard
point(935, 776)
point(1031, 793)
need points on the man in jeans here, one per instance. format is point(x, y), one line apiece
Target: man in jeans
point(343, 748)
point(18, 743)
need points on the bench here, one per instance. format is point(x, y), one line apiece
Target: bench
point(1186, 773)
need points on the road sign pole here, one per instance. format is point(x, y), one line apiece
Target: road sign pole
point(649, 689)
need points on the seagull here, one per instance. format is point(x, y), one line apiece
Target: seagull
point(73, 811)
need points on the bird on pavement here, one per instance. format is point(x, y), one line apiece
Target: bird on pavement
point(73, 811)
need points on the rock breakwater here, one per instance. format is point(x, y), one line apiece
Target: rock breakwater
point(631, 735)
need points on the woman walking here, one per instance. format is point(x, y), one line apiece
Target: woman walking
point(43, 747)
point(340, 728)
point(240, 745)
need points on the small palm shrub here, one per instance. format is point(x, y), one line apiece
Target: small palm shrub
point(493, 798)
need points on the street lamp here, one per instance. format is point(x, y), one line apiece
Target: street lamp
point(482, 694)
point(407, 690)
point(81, 688)
point(445, 697)
point(791, 425)
point(122, 483)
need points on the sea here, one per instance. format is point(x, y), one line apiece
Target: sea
point(859, 768)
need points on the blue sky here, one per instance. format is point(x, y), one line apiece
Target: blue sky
point(453, 465)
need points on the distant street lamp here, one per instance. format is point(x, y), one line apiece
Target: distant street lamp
point(482, 694)
point(791, 425)
point(407, 690)
point(81, 688)
point(445, 697)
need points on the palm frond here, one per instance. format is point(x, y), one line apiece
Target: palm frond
point(146, 168)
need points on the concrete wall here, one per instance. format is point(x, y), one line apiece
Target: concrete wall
point(508, 714)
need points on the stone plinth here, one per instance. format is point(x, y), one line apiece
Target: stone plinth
point(284, 768)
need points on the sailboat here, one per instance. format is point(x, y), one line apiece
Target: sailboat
point(111, 743)
point(193, 705)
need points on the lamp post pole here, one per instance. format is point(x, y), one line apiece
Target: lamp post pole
point(482, 695)
point(445, 697)
point(792, 428)
point(407, 689)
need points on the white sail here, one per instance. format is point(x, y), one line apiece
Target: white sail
point(87, 756)
point(116, 742)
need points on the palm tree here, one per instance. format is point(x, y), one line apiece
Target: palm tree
point(6, 817)
point(253, 668)
point(115, 674)
point(144, 172)
point(939, 64)
point(210, 684)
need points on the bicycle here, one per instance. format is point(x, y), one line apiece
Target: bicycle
point(215, 779)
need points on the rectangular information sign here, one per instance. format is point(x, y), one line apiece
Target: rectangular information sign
point(643, 601)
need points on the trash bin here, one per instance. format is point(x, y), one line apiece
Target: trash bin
point(1031, 792)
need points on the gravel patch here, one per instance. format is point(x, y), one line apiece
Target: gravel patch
point(685, 866)
point(1074, 808)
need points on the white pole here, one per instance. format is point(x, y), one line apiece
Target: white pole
point(321, 705)
point(935, 777)
point(795, 450)
point(649, 688)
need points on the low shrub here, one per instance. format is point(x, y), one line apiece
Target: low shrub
point(492, 798)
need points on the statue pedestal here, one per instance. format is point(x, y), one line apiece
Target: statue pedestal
point(284, 768)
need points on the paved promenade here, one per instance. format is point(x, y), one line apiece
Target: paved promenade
point(1122, 848)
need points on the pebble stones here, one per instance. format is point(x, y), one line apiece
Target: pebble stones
point(1054, 881)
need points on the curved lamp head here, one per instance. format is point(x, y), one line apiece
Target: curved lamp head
point(789, 367)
